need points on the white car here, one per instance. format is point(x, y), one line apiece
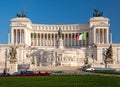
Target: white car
point(90, 69)
point(99, 68)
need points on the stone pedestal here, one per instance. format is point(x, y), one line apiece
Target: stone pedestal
point(32, 66)
point(13, 65)
point(60, 43)
point(54, 59)
point(109, 65)
point(54, 63)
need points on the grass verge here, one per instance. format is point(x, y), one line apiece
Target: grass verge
point(61, 81)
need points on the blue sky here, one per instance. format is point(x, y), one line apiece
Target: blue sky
point(59, 12)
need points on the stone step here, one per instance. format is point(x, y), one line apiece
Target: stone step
point(53, 68)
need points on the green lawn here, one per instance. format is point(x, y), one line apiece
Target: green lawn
point(61, 81)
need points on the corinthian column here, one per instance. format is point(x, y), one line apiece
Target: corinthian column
point(104, 38)
point(12, 36)
point(94, 35)
point(110, 36)
point(16, 36)
point(8, 36)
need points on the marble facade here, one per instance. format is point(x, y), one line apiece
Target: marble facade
point(49, 50)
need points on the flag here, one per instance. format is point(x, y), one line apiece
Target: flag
point(32, 41)
point(78, 37)
point(84, 36)
point(81, 36)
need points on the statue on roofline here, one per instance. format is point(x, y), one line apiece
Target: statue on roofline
point(96, 13)
point(21, 15)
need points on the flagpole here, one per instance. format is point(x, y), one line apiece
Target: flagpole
point(86, 40)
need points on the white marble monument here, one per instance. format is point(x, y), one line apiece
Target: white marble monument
point(50, 50)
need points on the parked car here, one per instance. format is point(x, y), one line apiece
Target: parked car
point(99, 68)
point(16, 73)
point(23, 73)
point(30, 73)
point(57, 72)
point(89, 69)
point(43, 73)
point(83, 68)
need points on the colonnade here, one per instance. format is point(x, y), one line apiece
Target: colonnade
point(101, 36)
point(17, 36)
point(51, 39)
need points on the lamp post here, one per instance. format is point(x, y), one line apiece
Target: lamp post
point(5, 69)
point(94, 46)
point(93, 57)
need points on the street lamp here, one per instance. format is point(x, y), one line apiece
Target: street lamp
point(5, 69)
